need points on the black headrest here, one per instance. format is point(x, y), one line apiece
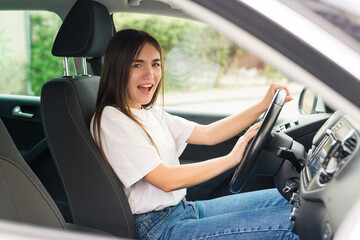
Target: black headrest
point(85, 32)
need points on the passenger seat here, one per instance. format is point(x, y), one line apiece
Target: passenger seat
point(23, 198)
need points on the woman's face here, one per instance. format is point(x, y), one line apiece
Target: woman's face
point(144, 77)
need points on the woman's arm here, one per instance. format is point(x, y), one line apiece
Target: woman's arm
point(227, 128)
point(183, 176)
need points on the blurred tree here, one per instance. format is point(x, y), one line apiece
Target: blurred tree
point(43, 65)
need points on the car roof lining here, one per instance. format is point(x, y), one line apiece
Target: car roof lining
point(62, 7)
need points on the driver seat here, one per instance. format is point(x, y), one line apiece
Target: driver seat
point(95, 194)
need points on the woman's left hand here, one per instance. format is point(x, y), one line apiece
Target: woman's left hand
point(265, 102)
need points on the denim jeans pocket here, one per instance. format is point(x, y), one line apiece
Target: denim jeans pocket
point(150, 226)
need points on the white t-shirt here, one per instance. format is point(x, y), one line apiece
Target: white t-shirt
point(132, 156)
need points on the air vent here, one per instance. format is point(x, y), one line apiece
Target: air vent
point(349, 146)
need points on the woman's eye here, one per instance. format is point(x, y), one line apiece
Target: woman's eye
point(136, 65)
point(156, 65)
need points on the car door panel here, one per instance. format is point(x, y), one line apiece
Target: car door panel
point(26, 131)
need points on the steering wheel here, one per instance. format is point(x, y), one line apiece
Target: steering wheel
point(255, 146)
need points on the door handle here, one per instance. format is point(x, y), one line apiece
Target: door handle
point(18, 113)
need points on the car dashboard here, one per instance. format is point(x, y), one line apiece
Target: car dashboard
point(328, 182)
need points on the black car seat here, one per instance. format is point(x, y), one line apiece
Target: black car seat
point(23, 198)
point(95, 194)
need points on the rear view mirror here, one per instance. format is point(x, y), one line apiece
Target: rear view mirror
point(309, 103)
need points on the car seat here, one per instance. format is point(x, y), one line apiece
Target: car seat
point(23, 198)
point(96, 196)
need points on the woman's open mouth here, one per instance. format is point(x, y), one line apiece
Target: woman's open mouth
point(146, 88)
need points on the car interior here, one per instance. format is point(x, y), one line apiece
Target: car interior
point(53, 174)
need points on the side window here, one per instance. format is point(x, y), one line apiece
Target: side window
point(204, 70)
point(26, 62)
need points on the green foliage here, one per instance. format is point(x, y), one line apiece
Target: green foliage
point(43, 66)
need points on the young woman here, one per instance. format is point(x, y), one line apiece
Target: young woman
point(142, 144)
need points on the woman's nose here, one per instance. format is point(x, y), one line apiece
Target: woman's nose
point(148, 72)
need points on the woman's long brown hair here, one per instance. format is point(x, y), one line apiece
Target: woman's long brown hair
point(123, 48)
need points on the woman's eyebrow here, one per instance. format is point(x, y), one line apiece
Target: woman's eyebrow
point(140, 60)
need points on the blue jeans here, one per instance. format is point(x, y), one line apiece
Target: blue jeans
point(255, 215)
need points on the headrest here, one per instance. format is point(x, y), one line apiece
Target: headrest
point(85, 32)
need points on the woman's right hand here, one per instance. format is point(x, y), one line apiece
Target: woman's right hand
point(238, 150)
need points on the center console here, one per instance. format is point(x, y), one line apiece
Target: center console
point(330, 155)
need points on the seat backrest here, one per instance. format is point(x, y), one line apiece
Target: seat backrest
point(95, 194)
point(23, 198)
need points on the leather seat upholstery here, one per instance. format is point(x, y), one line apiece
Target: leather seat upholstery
point(95, 194)
point(23, 198)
